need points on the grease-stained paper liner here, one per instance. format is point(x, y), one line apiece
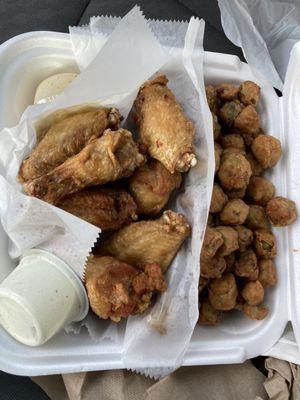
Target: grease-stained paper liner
point(155, 342)
point(112, 79)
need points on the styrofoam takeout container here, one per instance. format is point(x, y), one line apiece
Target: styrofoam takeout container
point(28, 59)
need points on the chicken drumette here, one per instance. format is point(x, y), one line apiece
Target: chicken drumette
point(151, 186)
point(116, 289)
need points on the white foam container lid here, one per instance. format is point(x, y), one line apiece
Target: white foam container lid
point(29, 58)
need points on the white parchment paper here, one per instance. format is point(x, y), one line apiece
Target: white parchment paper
point(155, 342)
point(111, 79)
point(266, 30)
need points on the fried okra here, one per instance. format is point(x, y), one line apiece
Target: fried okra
point(229, 112)
point(249, 138)
point(236, 194)
point(213, 240)
point(249, 93)
point(255, 312)
point(222, 292)
point(245, 237)
point(232, 140)
point(242, 207)
point(234, 172)
point(247, 121)
point(260, 190)
point(256, 168)
point(246, 265)
point(281, 211)
point(227, 92)
point(256, 218)
point(230, 238)
point(218, 199)
point(265, 244)
point(211, 96)
point(267, 150)
point(202, 284)
point(253, 293)
point(216, 126)
point(235, 212)
point(218, 153)
point(210, 220)
point(208, 315)
point(267, 273)
point(230, 261)
point(232, 150)
point(213, 267)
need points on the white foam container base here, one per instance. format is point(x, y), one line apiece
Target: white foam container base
point(25, 61)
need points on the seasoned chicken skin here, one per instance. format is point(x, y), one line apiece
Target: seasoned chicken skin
point(116, 289)
point(151, 186)
point(65, 139)
point(112, 156)
point(147, 242)
point(165, 131)
point(106, 208)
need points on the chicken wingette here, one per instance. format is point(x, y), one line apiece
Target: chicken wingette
point(147, 242)
point(113, 156)
point(106, 208)
point(66, 138)
point(165, 131)
point(151, 186)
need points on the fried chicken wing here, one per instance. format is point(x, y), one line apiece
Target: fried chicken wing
point(147, 242)
point(112, 156)
point(66, 138)
point(151, 186)
point(116, 289)
point(106, 208)
point(165, 131)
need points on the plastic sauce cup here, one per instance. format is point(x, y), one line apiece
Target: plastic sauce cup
point(40, 297)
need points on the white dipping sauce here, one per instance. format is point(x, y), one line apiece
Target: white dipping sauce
point(40, 297)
